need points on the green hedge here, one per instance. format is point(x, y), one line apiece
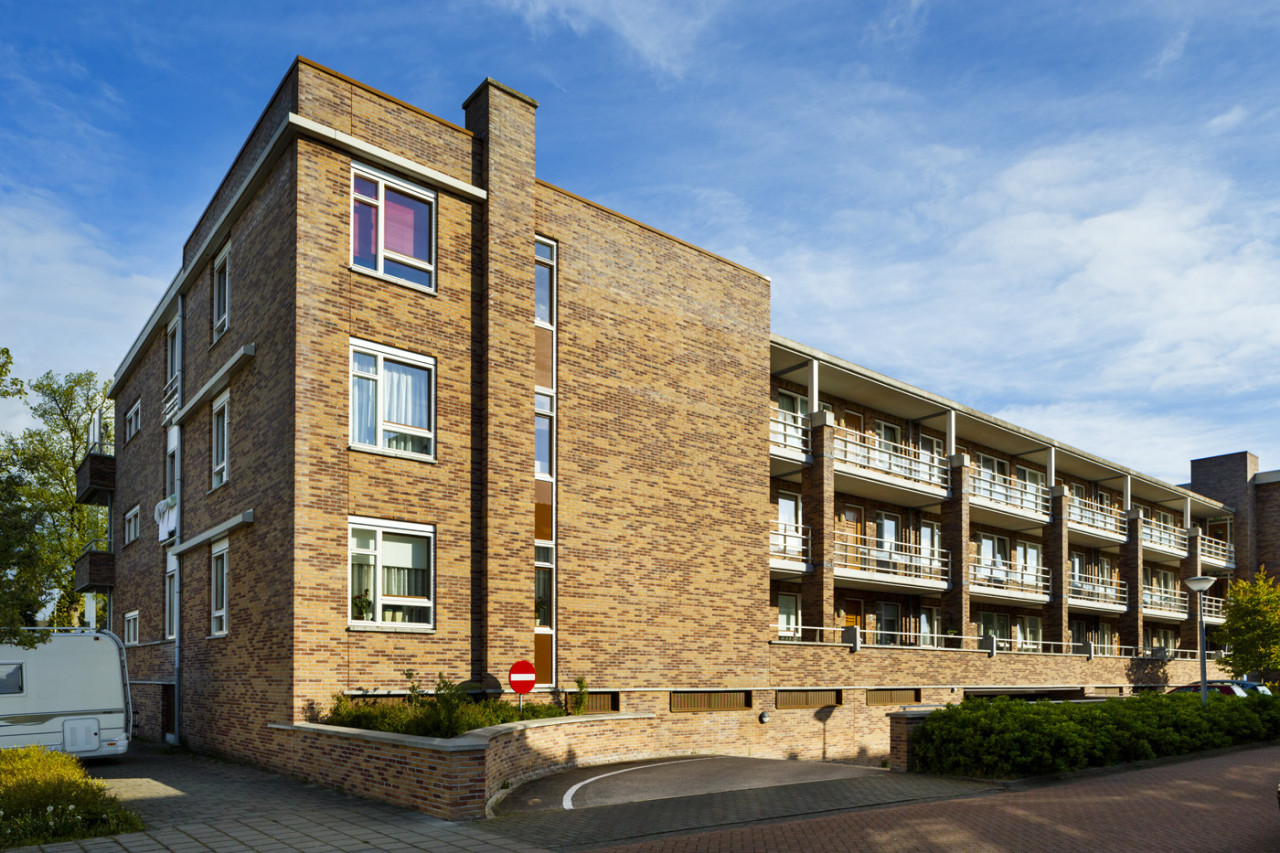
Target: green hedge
point(447, 713)
point(47, 797)
point(1005, 738)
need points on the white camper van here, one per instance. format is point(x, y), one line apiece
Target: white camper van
point(70, 694)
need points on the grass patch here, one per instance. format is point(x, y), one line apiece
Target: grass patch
point(447, 712)
point(46, 796)
point(1005, 738)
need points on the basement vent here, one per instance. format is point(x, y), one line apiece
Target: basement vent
point(1108, 691)
point(602, 703)
point(894, 696)
point(807, 698)
point(709, 700)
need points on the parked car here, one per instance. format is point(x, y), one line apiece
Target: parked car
point(1247, 686)
point(1226, 688)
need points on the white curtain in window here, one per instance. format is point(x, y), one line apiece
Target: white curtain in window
point(407, 395)
point(406, 564)
point(364, 393)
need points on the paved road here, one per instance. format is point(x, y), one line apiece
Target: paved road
point(1226, 803)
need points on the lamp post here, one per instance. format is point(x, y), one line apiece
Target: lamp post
point(1199, 585)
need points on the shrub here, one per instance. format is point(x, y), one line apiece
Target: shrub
point(46, 797)
point(1010, 738)
point(448, 712)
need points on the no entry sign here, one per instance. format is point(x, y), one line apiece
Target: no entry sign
point(522, 676)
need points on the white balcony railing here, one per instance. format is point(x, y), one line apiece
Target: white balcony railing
point(1163, 598)
point(1007, 575)
point(892, 559)
point(1100, 590)
point(1098, 516)
point(1216, 549)
point(789, 541)
point(900, 460)
point(945, 642)
point(1164, 535)
point(790, 430)
point(1213, 607)
point(1003, 489)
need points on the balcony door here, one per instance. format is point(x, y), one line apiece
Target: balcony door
point(888, 537)
point(888, 445)
point(789, 430)
point(993, 478)
point(993, 556)
point(1031, 489)
point(788, 539)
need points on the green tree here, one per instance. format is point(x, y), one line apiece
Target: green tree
point(1252, 626)
point(23, 588)
point(10, 386)
point(44, 460)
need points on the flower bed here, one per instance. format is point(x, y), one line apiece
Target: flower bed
point(46, 797)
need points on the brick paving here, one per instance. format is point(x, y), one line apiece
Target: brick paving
point(1223, 803)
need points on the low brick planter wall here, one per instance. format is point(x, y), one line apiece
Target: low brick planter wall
point(454, 778)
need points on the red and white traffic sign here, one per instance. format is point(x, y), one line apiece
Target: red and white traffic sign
point(522, 676)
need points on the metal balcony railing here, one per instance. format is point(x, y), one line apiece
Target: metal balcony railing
point(943, 642)
point(1003, 489)
point(1101, 590)
point(1007, 575)
point(1098, 516)
point(900, 460)
point(1213, 607)
point(891, 559)
point(1164, 535)
point(789, 541)
point(1164, 598)
point(790, 430)
point(1216, 549)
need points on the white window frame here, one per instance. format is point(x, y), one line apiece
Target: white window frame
point(885, 637)
point(383, 353)
point(789, 630)
point(133, 420)
point(384, 180)
point(380, 527)
point(132, 524)
point(930, 620)
point(1029, 633)
point(131, 628)
point(219, 570)
point(170, 604)
point(221, 471)
point(545, 410)
point(553, 264)
point(221, 270)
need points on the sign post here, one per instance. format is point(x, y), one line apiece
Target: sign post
point(522, 677)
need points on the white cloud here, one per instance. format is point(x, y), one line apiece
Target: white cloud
point(1172, 51)
point(901, 21)
point(1229, 120)
point(665, 34)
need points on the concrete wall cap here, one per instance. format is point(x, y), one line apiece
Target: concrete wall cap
point(472, 740)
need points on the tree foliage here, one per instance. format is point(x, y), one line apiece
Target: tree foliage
point(1252, 626)
point(22, 586)
point(42, 463)
point(10, 386)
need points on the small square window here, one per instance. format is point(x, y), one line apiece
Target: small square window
point(133, 421)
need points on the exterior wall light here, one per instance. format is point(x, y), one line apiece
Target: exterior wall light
point(764, 716)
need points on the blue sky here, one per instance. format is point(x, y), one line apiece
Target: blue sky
point(1064, 214)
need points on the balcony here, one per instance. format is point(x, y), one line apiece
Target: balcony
point(1164, 538)
point(171, 398)
point(96, 476)
point(1101, 595)
point(1163, 602)
point(1215, 552)
point(1095, 524)
point(788, 548)
point(1001, 581)
point(863, 562)
point(884, 470)
point(95, 570)
point(1214, 610)
point(995, 498)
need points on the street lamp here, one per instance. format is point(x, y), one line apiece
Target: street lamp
point(1200, 585)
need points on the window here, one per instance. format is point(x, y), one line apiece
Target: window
point(888, 623)
point(132, 525)
point(1029, 564)
point(11, 683)
point(171, 473)
point(218, 593)
point(992, 565)
point(219, 440)
point(392, 399)
point(392, 573)
point(1106, 639)
point(930, 623)
point(788, 616)
point(221, 294)
point(1079, 635)
point(133, 421)
point(392, 227)
point(996, 624)
point(544, 407)
point(1029, 634)
point(544, 566)
point(544, 287)
point(170, 605)
point(1159, 638)
point(131, 628)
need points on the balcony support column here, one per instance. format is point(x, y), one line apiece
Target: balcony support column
point(1189, 630)
point(818, 511)
point(1057, 624)
point(1131, 574)
point(955, 540)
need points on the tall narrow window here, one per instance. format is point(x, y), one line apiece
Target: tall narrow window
point(221, 295)
point(544, 564)
point(392, 399)
point(171, 474)
point(544, 434)
point(218, 593)
point(788, 616)
point(888, 623)
point(131, 628)
point(392, 227)
point(170, 605)
point(132, 524)
point(544, 286)
point(133, 421)
point(220, 441)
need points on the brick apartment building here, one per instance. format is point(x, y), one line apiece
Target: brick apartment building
point(408, 406)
